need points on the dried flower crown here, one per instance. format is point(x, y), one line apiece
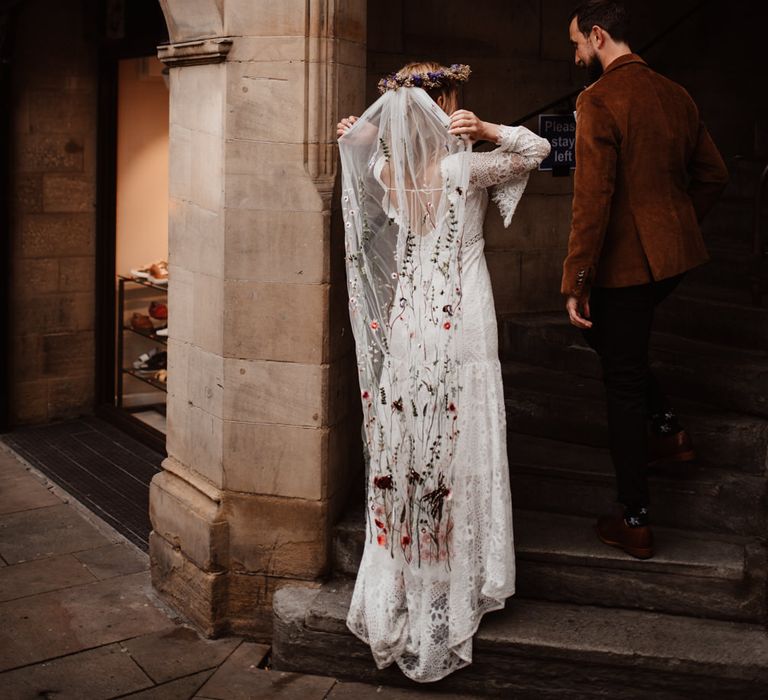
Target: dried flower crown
point(457, 73)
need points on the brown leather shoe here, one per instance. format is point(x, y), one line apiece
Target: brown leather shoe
point(637, 541)
point(141, 323)
point(677, 447)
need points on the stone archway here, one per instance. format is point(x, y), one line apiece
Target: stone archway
point(259, 421)
point(189, 20)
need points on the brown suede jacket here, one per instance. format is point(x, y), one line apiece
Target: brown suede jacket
point(646, 173)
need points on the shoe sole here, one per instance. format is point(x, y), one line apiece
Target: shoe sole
point(688, 456)
point(637, 552)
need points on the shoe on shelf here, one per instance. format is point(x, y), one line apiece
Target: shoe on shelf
point(636, 541)
point(158, 310)
point(142, 323)
point(161, 376)
point(676, 447)
point(158, 272)
point(143, 272)
point(151, 361)
point(162, 332)
point(142, 359)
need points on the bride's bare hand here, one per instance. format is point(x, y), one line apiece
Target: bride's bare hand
point(344, 125)
point(464, 122)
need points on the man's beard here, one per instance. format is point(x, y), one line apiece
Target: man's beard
point(594, 69)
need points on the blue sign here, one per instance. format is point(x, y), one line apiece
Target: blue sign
point(560, 131)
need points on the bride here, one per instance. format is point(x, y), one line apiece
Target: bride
point(439, 549)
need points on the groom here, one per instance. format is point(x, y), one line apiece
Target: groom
point(647, 171)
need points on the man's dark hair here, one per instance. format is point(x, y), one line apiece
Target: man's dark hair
point(609, 16)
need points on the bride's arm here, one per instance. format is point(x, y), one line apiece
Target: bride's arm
point(519, 152)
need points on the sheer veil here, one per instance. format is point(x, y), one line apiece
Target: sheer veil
point(405, 181)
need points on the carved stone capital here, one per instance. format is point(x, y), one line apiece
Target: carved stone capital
point(195, 53)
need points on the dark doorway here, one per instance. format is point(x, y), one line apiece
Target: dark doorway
point(129, 35)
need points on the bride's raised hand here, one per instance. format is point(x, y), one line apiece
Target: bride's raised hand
point(344, 125)
point(464, 122)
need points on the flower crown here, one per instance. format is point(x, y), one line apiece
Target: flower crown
point(457, 73)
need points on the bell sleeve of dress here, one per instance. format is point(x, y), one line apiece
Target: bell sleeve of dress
point(508, 167)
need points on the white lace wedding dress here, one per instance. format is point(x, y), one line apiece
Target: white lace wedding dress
point(419, 604)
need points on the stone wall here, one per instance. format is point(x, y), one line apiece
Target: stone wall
point(718, 56)
point(521, 59)
point(53, 219)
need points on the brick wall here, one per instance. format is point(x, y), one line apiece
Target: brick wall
point(53, 219)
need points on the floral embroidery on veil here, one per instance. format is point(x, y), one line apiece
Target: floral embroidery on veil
point(403, 252)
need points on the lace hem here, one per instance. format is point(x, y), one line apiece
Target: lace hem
point(459, 657)
point(508, 196)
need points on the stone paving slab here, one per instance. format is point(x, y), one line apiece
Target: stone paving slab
point(46, 532)
point(113, 560)
point(21, 491)
point(41, 576)
point(178, 652)
point(79, 620)
point(180, 689)
point(97, 674)
point(240, 678)
point(62, 622)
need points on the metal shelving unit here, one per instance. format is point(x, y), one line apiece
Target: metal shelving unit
point(123, 327)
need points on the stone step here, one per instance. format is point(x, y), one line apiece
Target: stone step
point(560, 558)
point(723, 376)
point(565, 407)
point(734, 296)
point(562, 477)
point(716, 315)
point(744, 173)
point(730, 378)
point(729, 266)
point(543, 651)
point(729, 224)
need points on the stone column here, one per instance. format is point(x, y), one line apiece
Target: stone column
point(261, 424)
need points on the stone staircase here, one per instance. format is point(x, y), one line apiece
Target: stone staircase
point(587, 620)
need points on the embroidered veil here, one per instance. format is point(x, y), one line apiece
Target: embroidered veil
point(404, 191)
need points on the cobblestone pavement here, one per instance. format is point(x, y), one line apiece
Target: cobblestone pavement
point(80, 620)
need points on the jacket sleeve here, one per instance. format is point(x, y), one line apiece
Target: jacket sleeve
point(707, 172)
point(598, 141)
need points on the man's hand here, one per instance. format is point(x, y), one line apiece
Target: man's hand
point(344, 125)
point(578, 311)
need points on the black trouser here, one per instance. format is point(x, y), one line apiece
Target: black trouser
point(621, 331)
